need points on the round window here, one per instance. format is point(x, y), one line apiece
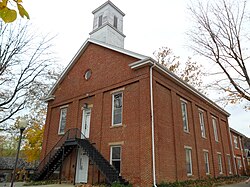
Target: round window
point(87, 74)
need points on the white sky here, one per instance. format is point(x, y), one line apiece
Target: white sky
point(148, 25)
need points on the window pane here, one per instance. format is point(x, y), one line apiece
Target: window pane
point(184, 116)
point(206, 162)
point(202, 124)
point(116, 157)
point(229, 164)
point(63, 115)
point(215, 129)
point(116, 152)
point(117, 108)
point(188, 161)
point(220, 163)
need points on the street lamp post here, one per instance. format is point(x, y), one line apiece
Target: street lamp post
point(22, 125)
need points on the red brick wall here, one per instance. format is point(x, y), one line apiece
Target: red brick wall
point(110, 71)
point(171, 139)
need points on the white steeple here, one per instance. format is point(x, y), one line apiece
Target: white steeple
point(108, 25)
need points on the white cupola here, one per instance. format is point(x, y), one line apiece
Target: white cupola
point(108, 25)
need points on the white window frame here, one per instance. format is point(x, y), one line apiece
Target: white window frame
point(236, 144)
point(111, 159)
point(239, 160)
point(202, 123)
point(188, 159)
point(229, 164)
point(240, 143)
point(184, 115)
point(220, 163)
point(214, 122)
point(61, 120)
point(113, 96)
point(206, 159)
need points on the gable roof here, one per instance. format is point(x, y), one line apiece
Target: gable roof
point(81, 51)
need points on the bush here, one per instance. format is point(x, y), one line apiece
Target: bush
point(204, 182)
point(117, 184)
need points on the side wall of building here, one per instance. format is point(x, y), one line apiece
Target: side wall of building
point(172, 140)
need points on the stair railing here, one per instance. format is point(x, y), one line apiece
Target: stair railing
point(71, 134)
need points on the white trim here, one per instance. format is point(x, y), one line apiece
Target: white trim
point(117, 90)
point(220, 163)
point(64, 106)
point(229, 163)
point(152, 124)
point(112, 122)
point(189, 149)
point(110, 158)
point(206, 158)
point(202, 123)
point(60, 121)
point(186, 115)
point(150, 61)
point(50, 95)
point(215, 128)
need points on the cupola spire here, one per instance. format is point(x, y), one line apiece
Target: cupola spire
point(108, 25)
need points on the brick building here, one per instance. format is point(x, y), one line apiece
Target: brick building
point(239, 154)
point(133, 113)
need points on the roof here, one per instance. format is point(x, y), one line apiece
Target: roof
point(143, 61)
point(161, 68)
point(106, 3)
point(7, 163)
point(236, 132)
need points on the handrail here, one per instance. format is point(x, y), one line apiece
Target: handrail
point(70, 134)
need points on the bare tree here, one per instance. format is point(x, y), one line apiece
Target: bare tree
point(190, 71)
point(25, 59)
point(221, 34)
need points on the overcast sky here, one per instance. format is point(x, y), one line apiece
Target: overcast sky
point(148, 25)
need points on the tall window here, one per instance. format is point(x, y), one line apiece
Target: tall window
point(229, 164)
point(117, 109)
point(184, 116)
point(206, 162)
point(115, 157)
point(220, 163)
point(202, 124)
point(236, 145)
point(239, 162)
point(188, 152)
point(115, 21)
point(100, 21)
point(62, 123)
point(215, 129)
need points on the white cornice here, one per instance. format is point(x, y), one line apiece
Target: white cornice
point(161, 68)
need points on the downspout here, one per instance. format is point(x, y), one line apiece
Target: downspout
point(152, 123)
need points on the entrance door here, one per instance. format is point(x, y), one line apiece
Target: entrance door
point(86, 122)
point(83, 159)
point(82, 167)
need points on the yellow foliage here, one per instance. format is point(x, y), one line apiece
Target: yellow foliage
point(33, 144)
point(9, 15)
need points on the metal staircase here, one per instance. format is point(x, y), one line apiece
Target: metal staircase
point(70, 141)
